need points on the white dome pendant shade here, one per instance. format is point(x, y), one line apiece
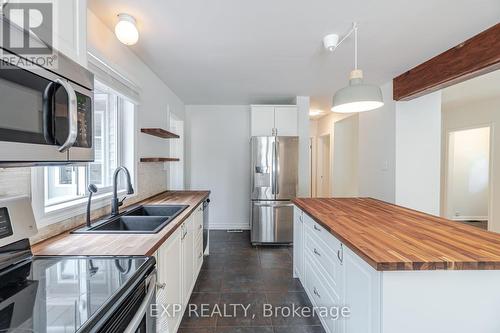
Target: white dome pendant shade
point(357, 96)
point(126, 29)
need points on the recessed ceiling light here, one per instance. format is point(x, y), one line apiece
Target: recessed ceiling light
point(126, 29)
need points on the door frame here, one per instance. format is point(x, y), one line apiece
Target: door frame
point(445, 174)
point(320, 163)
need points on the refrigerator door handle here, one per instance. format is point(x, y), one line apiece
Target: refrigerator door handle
point(273, 170)
point(276, 168)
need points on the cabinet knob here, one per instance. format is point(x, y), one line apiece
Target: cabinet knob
point(201, 254)
point(317, 253)
point(315, 291)
point(316, 228)
point(161, 285)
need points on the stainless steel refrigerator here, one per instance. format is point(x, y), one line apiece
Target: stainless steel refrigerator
point(274, 183)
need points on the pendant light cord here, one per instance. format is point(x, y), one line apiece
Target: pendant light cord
point(355, 27)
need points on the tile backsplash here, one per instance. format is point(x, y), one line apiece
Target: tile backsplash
point(152, 179)
point(15, 182)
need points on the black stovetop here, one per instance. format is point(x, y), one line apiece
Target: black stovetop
point(63, 294)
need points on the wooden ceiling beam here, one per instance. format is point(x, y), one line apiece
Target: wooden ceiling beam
point(476, 56)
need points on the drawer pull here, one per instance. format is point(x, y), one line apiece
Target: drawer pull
point(317, 253)
point(315, 291)
point(161, 285)
point(300, 219)
point(340, 254)
point(316, 228)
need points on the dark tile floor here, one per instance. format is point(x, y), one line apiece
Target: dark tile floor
point(237, 273)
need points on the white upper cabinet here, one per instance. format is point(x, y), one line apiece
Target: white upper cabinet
point(262, 122)
point(285, 121)
point(70, 29)
point(267, 120)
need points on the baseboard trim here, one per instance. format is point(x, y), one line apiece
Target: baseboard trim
point(470, 218)
point(224, 226)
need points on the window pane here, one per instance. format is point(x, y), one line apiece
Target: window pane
point(63, 184)
point(105, 137)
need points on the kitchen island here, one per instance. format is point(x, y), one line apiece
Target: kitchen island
point(398, 270)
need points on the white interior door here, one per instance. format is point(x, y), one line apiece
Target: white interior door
point(324, 169)
point(345, 157)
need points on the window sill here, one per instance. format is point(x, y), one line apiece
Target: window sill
point(71, 209)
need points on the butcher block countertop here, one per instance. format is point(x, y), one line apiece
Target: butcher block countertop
point(124, 244)
point(393, 238)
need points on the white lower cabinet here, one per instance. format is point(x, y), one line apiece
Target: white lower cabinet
point(298, 243)
point(178, 263)
point(334, 277)
point(170, 274)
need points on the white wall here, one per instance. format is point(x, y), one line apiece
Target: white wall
point(418, 153)
point(345, 158)
point(485, 112)
point(156, 98)
point(304, 186)
point(468, 174)
point(218, 151)
point(377, 150)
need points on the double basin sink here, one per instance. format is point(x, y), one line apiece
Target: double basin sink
point(148, 219)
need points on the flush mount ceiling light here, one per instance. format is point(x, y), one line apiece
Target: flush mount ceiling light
point(357, 96)
point(126, 29)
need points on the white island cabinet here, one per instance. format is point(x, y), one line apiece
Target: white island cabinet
point(411, 301)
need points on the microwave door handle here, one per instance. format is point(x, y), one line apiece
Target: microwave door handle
point(48, 113)
point(144, 307)
point(72, 116)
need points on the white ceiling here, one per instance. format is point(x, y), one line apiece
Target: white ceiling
point(480, 88)
point(268, 51)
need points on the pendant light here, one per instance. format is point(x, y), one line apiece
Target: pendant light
point(357, 96)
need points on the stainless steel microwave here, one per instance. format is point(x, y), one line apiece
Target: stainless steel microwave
point(46, 115)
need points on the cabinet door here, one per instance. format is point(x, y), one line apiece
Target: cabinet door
point(285, 120)
point(187, 259)
point(298, 243)
point(70, 29)
point(361, 294)
point(169, 293)
point(262, 120)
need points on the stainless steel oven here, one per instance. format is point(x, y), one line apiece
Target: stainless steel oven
point(45, 113)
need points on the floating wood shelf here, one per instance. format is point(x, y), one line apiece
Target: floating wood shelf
point(159, 159)
point(160, 132)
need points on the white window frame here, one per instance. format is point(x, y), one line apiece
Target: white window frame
point(52, 214)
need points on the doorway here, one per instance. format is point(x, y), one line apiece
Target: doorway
point(468, 176)
point(323, 167)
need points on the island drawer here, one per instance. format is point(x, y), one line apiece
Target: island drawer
point(321, 295)
point(321, 232)
point(326, 256)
